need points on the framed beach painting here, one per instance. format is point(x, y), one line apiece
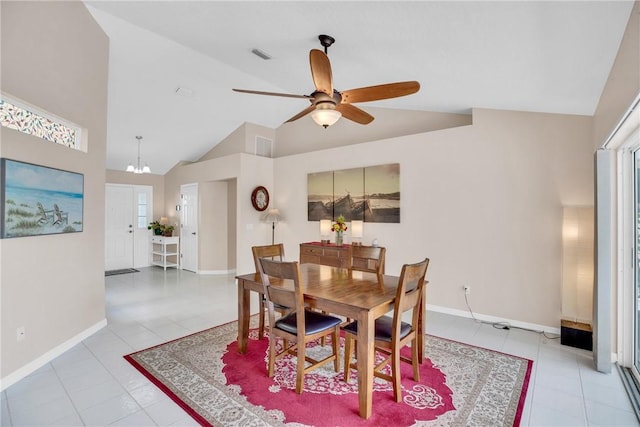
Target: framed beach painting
point(37, 200)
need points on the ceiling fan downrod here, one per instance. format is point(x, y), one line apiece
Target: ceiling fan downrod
point(326, 41)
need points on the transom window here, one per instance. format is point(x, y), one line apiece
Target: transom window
point(29, 120)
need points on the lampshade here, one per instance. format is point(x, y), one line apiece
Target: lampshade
point(325, 227)
point(357, 229)
point(577, 263)
point(164, 220)
point(325, 117)
point(272, 215)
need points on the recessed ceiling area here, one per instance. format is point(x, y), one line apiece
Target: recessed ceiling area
point(550, 57)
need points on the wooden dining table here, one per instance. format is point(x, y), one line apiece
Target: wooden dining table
point(354, 294)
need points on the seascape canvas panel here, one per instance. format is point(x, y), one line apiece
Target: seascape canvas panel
point(319, 195)
point(382, 189)
point(348, 194)
point(38, 200)
point(371, 194)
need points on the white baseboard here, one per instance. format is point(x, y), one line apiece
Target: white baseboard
point(36, 364)
point(493, 319)
point(217, 272)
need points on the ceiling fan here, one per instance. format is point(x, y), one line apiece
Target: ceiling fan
point(328, 104)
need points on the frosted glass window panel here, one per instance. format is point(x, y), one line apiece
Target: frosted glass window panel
point(38, 124)
point(143, 216)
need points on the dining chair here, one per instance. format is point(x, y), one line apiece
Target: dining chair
point(391, 333)
point(299, 327)
point(274, 252)
point(368, 258)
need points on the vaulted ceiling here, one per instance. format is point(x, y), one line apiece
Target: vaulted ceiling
point(516, 55)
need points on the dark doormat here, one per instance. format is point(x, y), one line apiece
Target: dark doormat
point(121, 271)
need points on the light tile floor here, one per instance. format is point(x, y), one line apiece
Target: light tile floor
point(93, 385)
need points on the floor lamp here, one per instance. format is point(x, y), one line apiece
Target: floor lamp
point(273, 216)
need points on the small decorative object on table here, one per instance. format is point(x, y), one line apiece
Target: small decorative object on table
point(339, 227)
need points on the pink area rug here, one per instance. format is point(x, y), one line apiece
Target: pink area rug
point(459, 385)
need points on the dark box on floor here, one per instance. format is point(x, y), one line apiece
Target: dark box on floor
point(575, 334)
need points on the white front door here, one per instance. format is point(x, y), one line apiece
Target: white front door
point(119, 227)
point(129, 209)
point(189, 227)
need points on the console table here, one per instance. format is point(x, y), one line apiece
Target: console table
point(165, 251)
point(325, 254)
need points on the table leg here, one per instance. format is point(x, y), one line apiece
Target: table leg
point(244, 308)
point(365, 355)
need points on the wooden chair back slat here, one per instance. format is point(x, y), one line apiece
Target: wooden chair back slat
point(274, 270)
point(275, 252)
point(409, 291)
point(368, 258)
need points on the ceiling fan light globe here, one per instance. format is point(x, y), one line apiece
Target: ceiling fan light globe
point(325, 117)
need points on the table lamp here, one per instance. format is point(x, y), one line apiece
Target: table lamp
point(325, 230)
point(357, 232)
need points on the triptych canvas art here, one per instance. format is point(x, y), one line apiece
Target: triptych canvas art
point(370, 194)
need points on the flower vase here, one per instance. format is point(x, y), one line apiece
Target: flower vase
point(338, 238)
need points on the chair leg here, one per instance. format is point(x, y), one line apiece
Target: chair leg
point(300, 367)
point(348, 348)
point(261, 321)
point(395, 374)
point(272, 355)
point(335, 342)
point(414, 360)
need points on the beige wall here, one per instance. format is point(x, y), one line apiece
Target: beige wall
point(483, 202)
point(623, 83)
point(302, 136)
point(235, 177)
point(212, 229)
point(55, 57)
point(242, 140)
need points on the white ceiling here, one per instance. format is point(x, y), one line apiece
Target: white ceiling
point(521, 55)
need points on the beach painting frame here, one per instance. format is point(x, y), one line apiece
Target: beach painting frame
point(369, 194)
point(39, 200)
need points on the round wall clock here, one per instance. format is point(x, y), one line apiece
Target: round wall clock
point(260, 198)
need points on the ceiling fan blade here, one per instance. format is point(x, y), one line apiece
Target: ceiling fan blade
point(257, 92)
point(321, 71)
point(302, 113)
point(375, 93)
point(355, 114)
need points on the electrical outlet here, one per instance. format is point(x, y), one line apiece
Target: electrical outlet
point(467, 290)
point(21, 334)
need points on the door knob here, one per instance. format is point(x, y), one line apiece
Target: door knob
point(194, 233)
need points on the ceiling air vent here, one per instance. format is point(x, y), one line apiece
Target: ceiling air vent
point(263, 146)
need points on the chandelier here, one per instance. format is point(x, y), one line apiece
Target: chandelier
point(137, 168)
